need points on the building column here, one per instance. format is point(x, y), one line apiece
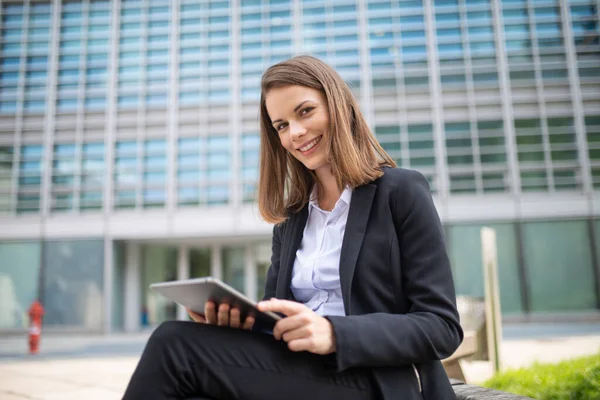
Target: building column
point(132, 285)
point(442, 177)
point(109, 267)
point(183, 272)
point(250, 272)
point(216, 267)
point(576, 99)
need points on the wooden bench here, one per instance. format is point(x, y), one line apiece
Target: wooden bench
point(467, 348)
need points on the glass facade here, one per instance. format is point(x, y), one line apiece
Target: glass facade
point(73, 289)
point(111, 108)
point(482, 97)
point(19, 282)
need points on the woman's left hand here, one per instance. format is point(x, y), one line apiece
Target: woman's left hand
point(302, 329)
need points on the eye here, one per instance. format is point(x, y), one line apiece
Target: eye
point(306, 110)
point(280, 126)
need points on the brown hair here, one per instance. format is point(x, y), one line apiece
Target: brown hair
point(284, 182)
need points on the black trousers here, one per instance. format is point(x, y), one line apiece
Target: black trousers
point(189, 360)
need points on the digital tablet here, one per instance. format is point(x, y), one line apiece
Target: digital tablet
point(194, 293)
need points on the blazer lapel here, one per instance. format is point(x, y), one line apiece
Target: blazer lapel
point(356, 227)
point(286, 266)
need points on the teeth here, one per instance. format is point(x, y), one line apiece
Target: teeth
point(310, 145)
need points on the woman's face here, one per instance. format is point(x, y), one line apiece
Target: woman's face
point(301, 117)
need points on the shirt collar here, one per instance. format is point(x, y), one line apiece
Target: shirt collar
point(313, 201)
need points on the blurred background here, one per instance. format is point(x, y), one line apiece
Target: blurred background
point(129, 143)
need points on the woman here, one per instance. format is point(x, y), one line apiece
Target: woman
point(359, 269)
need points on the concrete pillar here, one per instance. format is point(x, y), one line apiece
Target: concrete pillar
point(108, 284)
point(250, 272)
point(183, 272)
point(133, 259)
point(216, 267)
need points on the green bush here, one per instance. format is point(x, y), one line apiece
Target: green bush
point(576, 379)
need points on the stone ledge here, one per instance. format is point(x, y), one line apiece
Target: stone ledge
point(472, 392)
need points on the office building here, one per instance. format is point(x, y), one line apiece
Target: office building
point(129, 142)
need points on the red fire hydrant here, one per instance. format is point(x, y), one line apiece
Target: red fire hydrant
point(36, 313)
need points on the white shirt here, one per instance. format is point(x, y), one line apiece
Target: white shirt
point(316, 273)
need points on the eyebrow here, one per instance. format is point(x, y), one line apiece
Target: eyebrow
point(295, 109)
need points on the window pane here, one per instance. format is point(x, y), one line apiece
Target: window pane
point(233, 267)
point(19, 277)
point(73, 283)
point(464, 245)
point(559, 266)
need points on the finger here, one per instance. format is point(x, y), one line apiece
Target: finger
point(291, 323)
point(223, 315)
point(210, 313)
point(303, 332)
point(195, 316)
point(248, 323)
point(300, 344)
point(234, 318)
point(286, 307)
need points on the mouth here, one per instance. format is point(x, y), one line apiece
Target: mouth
point(308, 147)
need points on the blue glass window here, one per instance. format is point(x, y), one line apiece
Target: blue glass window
point(190, 22)
point(95, 102)
point(98, 15)
point(218, 20)
point(482, 47)
point(514, 13)
point(10, 18)
point(130, 40)
point(36, 75)
point(12, 34)
point(70, 29)
point(11, 48)
point(189, 97)
point(454, 32)
point(314, 11)
point(186, 8)
point(479, 16)
point(9, 77)
point(480, 30)
point(8, 106)
point(544, 12)
point(66, 104)
point(189, 175)
point(10, 62)
point(38, 31)
point(35, 105)
point(420, 34)
point(32, 151)
point(93, 149)
point(128, 101)
point(412, 19)
point(126, 147)
point(158, 24)
point(126, 12)
point(156, 99)
point(379, 6)
point(218, 34)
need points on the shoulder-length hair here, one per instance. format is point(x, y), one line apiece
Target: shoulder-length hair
point(355, 155)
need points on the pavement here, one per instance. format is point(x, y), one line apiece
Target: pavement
point(98, 367)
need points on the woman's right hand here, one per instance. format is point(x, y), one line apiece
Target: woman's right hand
point(224, 316)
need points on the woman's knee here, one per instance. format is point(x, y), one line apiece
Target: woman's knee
point(167, 332)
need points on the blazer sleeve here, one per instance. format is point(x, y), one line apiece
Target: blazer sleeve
point(273, 271)
point(431, 329)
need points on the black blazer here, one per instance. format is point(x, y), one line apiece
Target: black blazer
point(396, 282)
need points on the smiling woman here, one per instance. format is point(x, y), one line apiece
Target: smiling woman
point(359, 269)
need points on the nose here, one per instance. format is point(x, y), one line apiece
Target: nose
point(297, 130)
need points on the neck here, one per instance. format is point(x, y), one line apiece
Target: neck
point(329, 192)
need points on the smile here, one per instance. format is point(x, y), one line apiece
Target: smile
point(310, 144)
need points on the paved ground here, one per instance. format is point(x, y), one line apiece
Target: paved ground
point(93, 367)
